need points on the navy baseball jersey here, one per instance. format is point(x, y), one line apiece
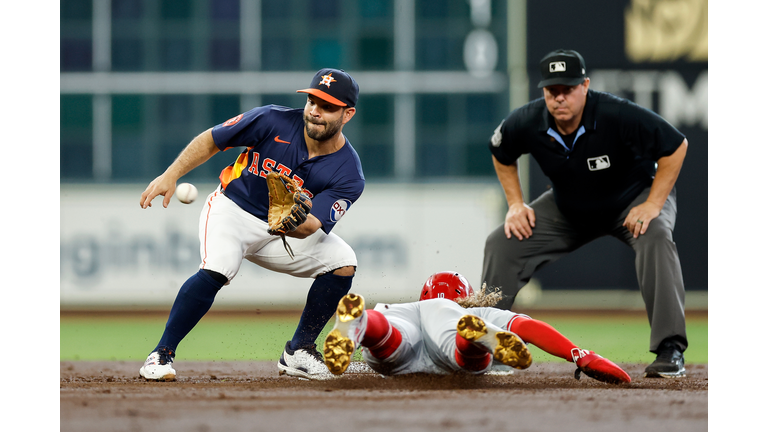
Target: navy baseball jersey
point(274, 141)
point(604, 165)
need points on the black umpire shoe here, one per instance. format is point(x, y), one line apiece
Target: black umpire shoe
point(669, 362)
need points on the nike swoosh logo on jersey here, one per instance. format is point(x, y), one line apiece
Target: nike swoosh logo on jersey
point(277, 138)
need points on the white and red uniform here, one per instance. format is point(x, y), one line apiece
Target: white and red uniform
point(428, 330)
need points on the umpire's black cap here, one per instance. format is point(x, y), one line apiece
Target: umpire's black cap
point(563, 67)
point(334, 86)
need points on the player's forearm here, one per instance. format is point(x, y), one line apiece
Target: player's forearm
point(510, 181)
point(199, 150)
point(309, 227)
point(666, 175)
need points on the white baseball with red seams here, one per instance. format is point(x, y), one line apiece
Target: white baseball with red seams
point(186, 193)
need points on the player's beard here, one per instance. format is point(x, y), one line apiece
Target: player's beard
point(330, 130)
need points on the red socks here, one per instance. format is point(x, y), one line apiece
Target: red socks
point(543, 336)
point(469, 356)
point(380, 338)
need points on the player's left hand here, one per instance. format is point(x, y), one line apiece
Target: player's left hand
point(640, 217)
point(296, 216)
point(289, 206)
point(597, 367)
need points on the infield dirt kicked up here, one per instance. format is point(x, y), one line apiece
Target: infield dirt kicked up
point(250, 396)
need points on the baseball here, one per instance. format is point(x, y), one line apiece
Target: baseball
point(186, 192)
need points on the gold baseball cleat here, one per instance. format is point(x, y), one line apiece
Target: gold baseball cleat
point(341, 342)
point(351, 306)
point(506, 347)
point(338, 351)
point(471, 328)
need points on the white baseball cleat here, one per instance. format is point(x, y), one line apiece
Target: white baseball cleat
point(345, 337)
point(305, 362)
point(506, 347)
point(159, 366)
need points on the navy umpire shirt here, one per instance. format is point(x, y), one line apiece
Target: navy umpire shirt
point(612, 158)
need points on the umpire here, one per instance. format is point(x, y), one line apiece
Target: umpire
point(613, 167)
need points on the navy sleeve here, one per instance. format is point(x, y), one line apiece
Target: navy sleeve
point(344, 188)
point(330, 205)
point(241, 131)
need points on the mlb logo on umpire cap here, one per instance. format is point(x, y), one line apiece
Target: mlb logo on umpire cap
point(334, 86)
point(562, 67)
point(557, 66)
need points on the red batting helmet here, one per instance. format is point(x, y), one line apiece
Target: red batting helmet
point(449, 285)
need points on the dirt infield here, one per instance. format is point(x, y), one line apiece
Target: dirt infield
point(250, 396)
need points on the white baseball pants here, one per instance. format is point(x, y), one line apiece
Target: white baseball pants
point(228, 234)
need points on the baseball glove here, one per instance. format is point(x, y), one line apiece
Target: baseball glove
point(288, 206)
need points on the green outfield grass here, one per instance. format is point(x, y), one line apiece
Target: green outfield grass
point(622, 339)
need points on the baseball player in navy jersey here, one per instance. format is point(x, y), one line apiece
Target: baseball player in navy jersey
point(309, 147)
point(613, 167)
point(451, 329)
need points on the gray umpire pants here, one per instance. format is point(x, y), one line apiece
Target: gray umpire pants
point(510, 263)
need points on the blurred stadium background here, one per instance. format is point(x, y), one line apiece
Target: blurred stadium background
point(140, 78)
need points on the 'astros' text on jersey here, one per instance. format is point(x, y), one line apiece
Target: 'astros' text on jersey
point(274, 141)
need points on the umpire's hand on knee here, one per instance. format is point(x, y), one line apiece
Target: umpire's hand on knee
point(640, 217)
point(519, 221)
